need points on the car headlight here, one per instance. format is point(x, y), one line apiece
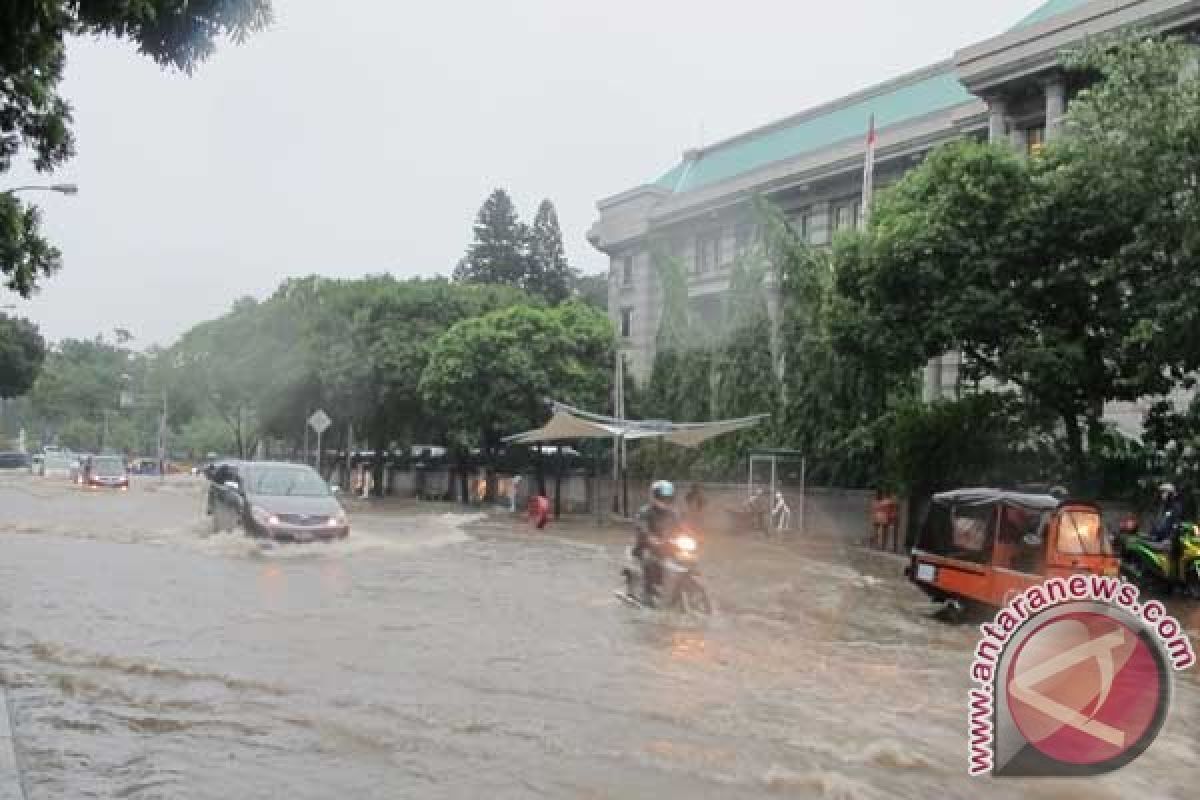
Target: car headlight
point(263, 517)
point(338, 520)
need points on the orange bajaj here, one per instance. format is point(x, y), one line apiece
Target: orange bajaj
point(984, 546)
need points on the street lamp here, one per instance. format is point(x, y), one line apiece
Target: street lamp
point(61, 188)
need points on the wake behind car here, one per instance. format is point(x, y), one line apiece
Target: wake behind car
point(104, 472)
point(285, 502)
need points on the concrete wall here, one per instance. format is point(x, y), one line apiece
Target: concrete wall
point(841, 513)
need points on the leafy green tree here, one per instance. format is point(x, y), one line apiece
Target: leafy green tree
point(34, 115)
point(489, 376)
point(222, 362)
point(498, 252)
point(1068, 275)
point(549, 276)
point(22, 351)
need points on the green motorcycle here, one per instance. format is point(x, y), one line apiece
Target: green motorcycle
point(1163, 567)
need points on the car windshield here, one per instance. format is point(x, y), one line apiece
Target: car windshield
point(108, 467)
point(285, 482)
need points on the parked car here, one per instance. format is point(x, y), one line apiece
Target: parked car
point(14, 460)
point(286, 502)
point(107, 472)
point(58, 465)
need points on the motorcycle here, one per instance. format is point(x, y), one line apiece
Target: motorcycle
point(1162, 567)
point(678, 587)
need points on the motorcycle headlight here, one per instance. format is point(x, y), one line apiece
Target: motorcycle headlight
point(685, 543)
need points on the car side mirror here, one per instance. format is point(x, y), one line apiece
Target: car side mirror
point(233, 485)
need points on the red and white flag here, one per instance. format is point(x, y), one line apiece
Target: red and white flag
point(868, 189)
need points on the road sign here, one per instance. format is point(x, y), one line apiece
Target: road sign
point(319, 421)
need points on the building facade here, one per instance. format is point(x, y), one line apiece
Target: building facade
point(1006, 88)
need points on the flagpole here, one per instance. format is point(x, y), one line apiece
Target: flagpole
point(868, 189)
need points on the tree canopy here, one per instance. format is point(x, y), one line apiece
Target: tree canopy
point(498, 252)
point(489, 376)
point(34, 116)
point(1069, 275)
point(549, 274)
point(22, 351)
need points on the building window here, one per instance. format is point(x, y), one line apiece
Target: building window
point(743, 240)
point(627, 271)
point(804, 225)
point(626, 322)
point(1035, 139)
point(845, 215)
point(708, 251)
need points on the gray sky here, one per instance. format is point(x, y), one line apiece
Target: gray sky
point(359, 137)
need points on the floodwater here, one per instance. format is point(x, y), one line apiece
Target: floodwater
point(443, 655)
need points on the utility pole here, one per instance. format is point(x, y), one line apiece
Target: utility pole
point(162, 439)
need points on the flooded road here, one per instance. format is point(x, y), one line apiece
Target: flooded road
point(439, 655)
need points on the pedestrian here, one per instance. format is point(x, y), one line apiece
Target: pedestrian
point(514, 491)
point(539, 511)
point(884, 516)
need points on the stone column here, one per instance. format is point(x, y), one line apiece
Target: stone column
point(997, 119)
point(1056, 106)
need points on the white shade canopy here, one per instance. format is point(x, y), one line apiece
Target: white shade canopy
point(572, 423)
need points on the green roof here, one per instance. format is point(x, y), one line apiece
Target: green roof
point(906, 99)
point(1050, 9)
point(926, 93)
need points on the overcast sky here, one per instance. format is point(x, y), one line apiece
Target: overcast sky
point(361, 136)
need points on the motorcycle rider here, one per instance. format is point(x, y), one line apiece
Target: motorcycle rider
point(1170, 514)
point(655, 521)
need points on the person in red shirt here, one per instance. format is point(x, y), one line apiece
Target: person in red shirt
point(539, 511)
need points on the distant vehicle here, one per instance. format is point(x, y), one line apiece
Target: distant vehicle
point(105, 472)
point(36, 463)
point(14, 460)
point(78, 464)
point(144, 466)
point(57, 465)
point(285, 502)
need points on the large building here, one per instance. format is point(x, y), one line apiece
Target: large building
point(1007, 88)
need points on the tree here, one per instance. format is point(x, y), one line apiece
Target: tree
point(1069, 275)
point(489, 376)
point(549, 276)
point(498, 252)
point(592, 289)
point(22, 351)
point(34, 115)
